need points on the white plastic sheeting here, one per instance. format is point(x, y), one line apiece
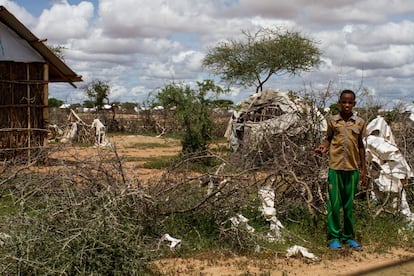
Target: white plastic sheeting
point(410, 109)
point(100, 135)
point(174, 242)
point(267, 197)
point(379, 127)
point(382, 150)
point(14, 48)
point(286, 117)
point(70, 133)
point(301, 251)
point(240, 220)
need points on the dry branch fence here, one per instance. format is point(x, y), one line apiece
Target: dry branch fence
point(99, 217)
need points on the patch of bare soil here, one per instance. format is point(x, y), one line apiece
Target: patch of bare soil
point(394, 262)
point(133, 149)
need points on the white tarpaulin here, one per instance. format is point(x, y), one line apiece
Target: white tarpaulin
point(302, 251)
point(268, 113)
point(15, 48)
point(100, 135)
point(267, 197)
point(410, 109)
point(70, 133)
point(382, 150)
point(173, 241)
point(240, 220)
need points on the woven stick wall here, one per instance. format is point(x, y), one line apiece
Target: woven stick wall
point(23, 108)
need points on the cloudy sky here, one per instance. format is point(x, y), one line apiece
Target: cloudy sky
point(139, 46)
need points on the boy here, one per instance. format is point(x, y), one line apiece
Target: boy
point(346, 156)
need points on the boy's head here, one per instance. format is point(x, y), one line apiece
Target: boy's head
point(347, 101)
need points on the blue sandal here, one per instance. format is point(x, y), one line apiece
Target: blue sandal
point(354, 245)
point(335, 244)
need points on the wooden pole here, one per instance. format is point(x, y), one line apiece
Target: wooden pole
point(45, 100)
point(29, 123)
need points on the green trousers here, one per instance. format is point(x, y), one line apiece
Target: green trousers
point(342, 186)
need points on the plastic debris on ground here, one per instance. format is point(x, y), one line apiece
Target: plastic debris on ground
point(173, 241)
point(240, 220)
point(267, 196)
point(298, 250)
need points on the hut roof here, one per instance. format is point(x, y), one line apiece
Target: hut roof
point(58, 70)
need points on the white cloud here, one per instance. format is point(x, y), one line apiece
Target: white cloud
point(160, 70)
point(63, 21)
point(191, 60)
point(148, 18)
point(140, 45)
point(19, 12)
point(391, 33)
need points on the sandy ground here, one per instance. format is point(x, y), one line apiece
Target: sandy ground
point(135, 148)
point(395, 262)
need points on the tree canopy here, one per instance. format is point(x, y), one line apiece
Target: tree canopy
point(263, 54)
point(192, 109)
point(53, 102)
point(98, 91)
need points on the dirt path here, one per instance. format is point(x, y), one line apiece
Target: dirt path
point(395, 262)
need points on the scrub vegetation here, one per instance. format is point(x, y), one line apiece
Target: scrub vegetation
point(94, 215)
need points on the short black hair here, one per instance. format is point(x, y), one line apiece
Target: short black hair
point(347, 91)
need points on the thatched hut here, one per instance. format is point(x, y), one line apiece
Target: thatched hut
point(27, 66)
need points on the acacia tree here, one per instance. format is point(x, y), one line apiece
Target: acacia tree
point(263, 54)
point(98, 91)
point(192, 108)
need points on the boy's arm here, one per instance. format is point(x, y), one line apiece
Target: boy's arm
point(325, 145)
point(361, 150)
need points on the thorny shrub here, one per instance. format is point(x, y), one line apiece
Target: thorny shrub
point(87, 216)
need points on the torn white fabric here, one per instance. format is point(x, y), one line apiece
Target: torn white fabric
point(382, 150)
point(267, 197)
point(173, 241)
point(71, 133)
point(100, 135)
point(275, 233)
point(268, 113)
point(283, 123)
point(240, 220)
point(394, 166)
point(302, 251)
point(410, 109)
point(383, 129)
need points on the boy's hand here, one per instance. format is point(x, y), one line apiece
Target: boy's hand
point(321, 149)
point(363, 177)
